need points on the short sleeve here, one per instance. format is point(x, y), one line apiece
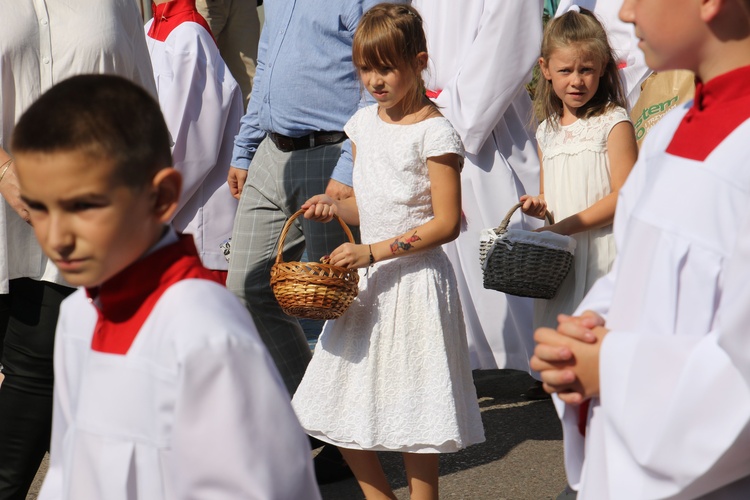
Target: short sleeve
point(617, 115)
point(441, 138)
point(353, 126)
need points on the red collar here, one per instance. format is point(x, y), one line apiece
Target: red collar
point(720, 106)
point(127, 299)
point(168, 16)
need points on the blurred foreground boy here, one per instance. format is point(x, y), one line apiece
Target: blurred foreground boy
point(162, 387)
point(653, 375)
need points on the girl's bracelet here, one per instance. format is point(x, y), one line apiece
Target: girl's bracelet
point(5, 166)
point(372, 259)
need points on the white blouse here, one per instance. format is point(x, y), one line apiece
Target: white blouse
point(42, 43)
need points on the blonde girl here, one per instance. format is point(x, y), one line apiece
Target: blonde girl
point(393, 373)
point(587, 148)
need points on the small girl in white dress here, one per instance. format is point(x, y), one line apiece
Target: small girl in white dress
point(393, 373)
point(587, 148)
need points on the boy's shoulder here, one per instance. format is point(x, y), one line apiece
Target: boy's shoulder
point(191, 314)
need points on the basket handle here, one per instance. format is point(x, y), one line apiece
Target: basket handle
point(289, 225)
point(503, 227)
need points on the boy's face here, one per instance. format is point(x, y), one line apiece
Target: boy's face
point(88, 222)
point(668, 30)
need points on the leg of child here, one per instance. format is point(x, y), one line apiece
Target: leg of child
point(422, 475)
point(369, 473)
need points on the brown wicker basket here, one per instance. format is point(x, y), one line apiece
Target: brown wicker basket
point(310, 289)
point(521, 267)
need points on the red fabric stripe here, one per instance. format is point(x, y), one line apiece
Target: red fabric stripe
point(720, 106)
point(432, 94)
point(583, 416)
point(127, 299)
point(168, 16)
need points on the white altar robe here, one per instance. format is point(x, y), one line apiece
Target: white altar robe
point(202, 105)
point(673, 420)
point(194, 409)
point(481, 56)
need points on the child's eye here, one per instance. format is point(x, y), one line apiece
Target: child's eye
point(35, 207)
point(82, 206)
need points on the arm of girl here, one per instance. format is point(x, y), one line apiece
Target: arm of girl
point(445, 188)
point(536, 206)
point(323, 207)
point(622, 151)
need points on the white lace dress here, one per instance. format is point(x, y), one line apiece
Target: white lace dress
point(576, 175)
point(393, 372)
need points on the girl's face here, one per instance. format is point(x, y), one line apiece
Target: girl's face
point(574, 76)
point(389, 86)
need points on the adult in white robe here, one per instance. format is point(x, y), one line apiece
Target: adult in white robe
point(481, 56)
point(202, 105)
point(673, 420)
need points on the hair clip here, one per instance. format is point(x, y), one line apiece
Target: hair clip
point(574, 8)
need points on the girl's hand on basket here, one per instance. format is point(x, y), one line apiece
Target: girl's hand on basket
point(351, 255)
point(320, 208)
point(553, 228)
point(535, 206)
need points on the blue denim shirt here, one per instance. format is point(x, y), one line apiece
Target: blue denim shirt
point(305, 80)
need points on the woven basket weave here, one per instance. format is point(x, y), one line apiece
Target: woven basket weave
point(309, 289)
point(523, 268)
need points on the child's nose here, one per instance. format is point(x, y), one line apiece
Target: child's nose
point(59, 237)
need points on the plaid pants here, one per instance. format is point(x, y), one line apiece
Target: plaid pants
point(278, 183)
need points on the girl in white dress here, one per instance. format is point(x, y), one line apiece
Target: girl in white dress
point(587, 148)
point(393, 373)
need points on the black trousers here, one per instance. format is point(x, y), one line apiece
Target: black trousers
point(28, 317)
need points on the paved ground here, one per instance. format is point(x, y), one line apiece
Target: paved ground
point(521, 459)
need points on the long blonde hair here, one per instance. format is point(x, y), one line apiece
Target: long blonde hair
point(391, 36)
point(581, 29)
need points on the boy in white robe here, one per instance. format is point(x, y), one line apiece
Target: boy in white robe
point(163, 388)
point(653, 374)
point(202, 105)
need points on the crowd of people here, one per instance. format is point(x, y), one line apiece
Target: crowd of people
point(148, 171)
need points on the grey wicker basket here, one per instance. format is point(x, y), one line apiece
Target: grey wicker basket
point(522, 268)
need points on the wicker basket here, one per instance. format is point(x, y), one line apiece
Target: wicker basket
point(309, 289)
point(525, 263)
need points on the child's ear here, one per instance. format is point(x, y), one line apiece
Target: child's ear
point(167, 184)
point(544, 69)
point(421, 61)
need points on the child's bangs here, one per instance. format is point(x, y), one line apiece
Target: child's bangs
point(376, 52)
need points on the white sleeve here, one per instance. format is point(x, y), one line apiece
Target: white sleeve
point(235, 433)
point(676, 409)
point(53, 487)
point(199, 99)
point(494, 70)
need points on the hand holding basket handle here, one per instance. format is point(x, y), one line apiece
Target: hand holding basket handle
point(525, 263)
point(309, 289)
